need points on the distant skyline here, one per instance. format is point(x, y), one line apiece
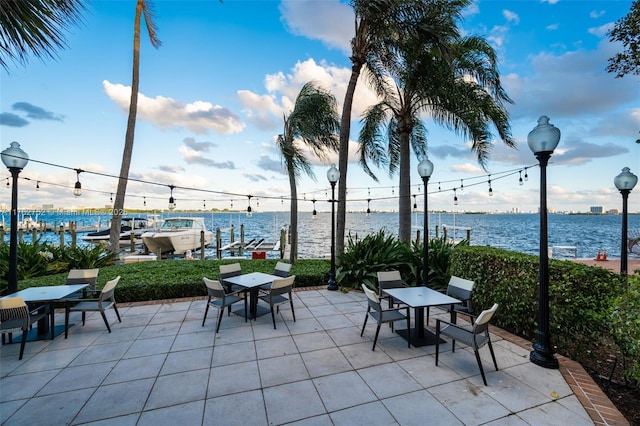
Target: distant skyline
point(212, 98)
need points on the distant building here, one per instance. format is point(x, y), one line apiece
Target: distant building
point(47, 207)
point(613, 211)
point(596, 209)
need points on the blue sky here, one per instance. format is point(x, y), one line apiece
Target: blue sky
point(212, 100)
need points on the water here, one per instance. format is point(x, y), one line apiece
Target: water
point(517, 232)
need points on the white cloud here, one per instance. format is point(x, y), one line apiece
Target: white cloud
point(511, 16)
point(329, 21)
point(596, 13)
point(164, 113)
point(552, 27)
point(602, 30)
point(467, 168)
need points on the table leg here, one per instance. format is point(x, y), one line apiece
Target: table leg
point(420, 336)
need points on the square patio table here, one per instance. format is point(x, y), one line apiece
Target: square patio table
point(419, 298)
point(252, 282)
point(48, 295)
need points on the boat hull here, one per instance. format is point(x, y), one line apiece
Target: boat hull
point(178, 242)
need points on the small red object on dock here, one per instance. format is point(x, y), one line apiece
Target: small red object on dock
point(604, 256)
point(598, 256)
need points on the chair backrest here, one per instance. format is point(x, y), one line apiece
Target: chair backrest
point(282, 269)
point(214, 288)
point(460, 288)
point(231, 270)
point(83, 276)
point(482, 321)
point(372, 298)
point(109, 289)
point(389, 279)
point(281, 286)
point(14, 308)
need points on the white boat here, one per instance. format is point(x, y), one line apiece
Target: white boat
point(177, 235)
point(135, 226)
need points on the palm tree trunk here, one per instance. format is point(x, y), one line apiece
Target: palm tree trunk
point(293, 227)
point(404, 207)
point(343, 158)
point(118, 205)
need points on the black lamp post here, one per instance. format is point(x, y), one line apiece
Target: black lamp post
point(15, 159)
point(425, 169)
point(543, 139)
point(625, 182)
point(332, 175)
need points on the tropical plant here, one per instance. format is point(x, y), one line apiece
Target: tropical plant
point(440, 250)
point(459, 88)
point(143, 8)
point(364, 258)
point(313, 124)
point(625, 328)
point(36, 27)
point(378, 24)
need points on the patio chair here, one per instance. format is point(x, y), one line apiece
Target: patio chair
point(282, 269)
point(389, 279)
point(475, 336)
point(462, 289)
point(16, 316)
point(276, 296)
point(228, 271)
point(381, 316)
point(105, 300)
point(221, 299)
point(83, 276)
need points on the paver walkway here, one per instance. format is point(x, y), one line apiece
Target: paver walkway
point(161, 367)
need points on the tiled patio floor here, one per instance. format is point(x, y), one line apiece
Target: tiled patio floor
point(161, 367)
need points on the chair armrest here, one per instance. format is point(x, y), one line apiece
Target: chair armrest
point(449, 324)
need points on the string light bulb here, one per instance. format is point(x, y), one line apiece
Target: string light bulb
point(415, 205)
point(249, 213)
point(172, 201)
point(461, 184)
point(526, 175)
point(315, 213)
point(77, 190)
point(520, 182)
point(455, 197)
point(111, 197)
point(368, 209)
point(144, 201)
point(38, 186)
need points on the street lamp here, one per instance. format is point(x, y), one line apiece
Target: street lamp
point(332, 175)
point(542, 140)
point(625, 182)
point(15, 159)
point(425, 168)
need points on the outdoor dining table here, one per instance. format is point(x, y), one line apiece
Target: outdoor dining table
point(46, 295)
point(419, 298)
point(252, 282)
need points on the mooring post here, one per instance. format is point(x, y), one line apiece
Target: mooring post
point(218, 244)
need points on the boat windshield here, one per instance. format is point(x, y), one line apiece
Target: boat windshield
point(177, 223)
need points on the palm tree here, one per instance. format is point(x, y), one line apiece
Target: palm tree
point(143, 8)
point(459, 88)
point(36, 27)
point(314, 122)
point(378, 24)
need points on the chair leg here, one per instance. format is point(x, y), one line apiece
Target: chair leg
point(115, 308)
point(366, 317)
point(106, 321)
point(375, 340)
point(206, 310)
point(52, 312)
point(84, 317)
point(493, 356)
point(484, 379)
point(220, 315)
point(245, 308)
point(293, 312)
point(408, 330)
point(22, 343)
point(273, 317)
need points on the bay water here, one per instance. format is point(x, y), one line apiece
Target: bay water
point(516, 232)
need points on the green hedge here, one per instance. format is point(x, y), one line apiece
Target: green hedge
point(169, 279)
point(581, 298)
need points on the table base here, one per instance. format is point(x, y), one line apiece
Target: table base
point(260, 311)
point(428, 339)
point(32, 335)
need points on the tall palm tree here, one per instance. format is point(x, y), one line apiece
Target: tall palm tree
point(378, 24)
point(143, 8)
point(459, 88)
point(36, 27)
point(314, 124)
